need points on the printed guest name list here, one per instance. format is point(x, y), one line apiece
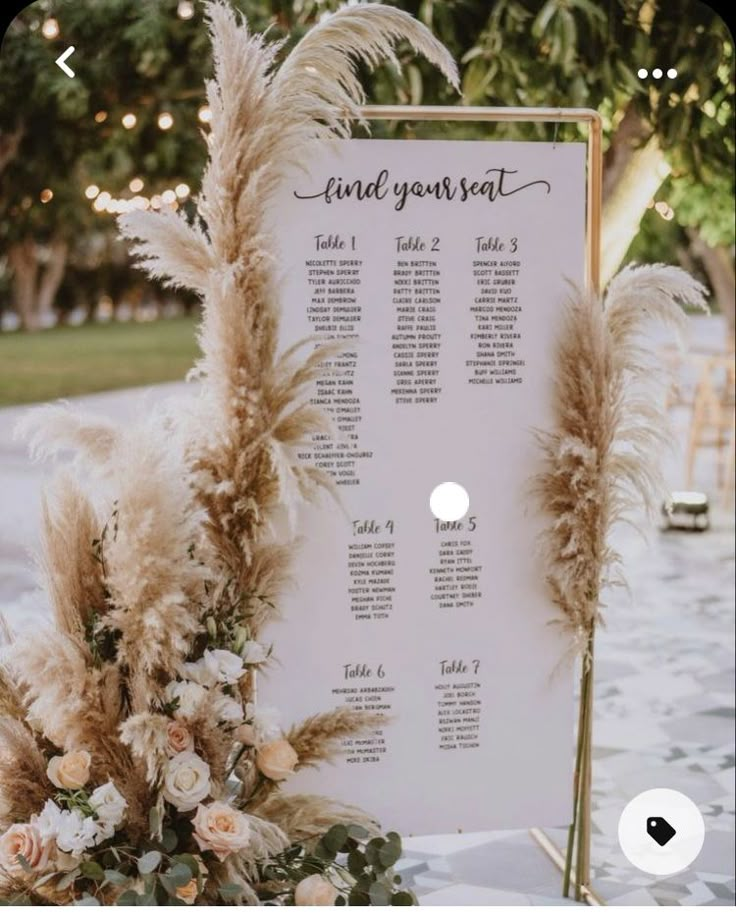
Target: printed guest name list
point(440, 271)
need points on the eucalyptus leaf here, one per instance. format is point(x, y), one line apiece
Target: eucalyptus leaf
point(92, 870)
point(68, 879)
point(322, 852)
point(149, 862)
point(168, 885)
point(191, 863)
point(356, 862)
point(389, 854)
point(115, 877)
point(180, 874)
point(379, 894)
point(169, 839)
point(335, 838)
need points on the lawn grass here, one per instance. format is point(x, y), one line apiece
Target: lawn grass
point(63, 362)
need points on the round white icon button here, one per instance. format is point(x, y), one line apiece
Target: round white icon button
point(661, 831)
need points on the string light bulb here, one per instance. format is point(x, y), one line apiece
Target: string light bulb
point(205, 114)
point(91, 192)
point(46, 195)
point(185, 10)
point(165, 120)
point(136, 185)
point(101, 116)
point(129, 120)
point(50, 29)
point(169, 196)
point(182, 190)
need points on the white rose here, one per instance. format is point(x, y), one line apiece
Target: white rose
point(109, 806)
point(48, 821)
point(217, 666)
point(199, 673)
point(254, 653)
point(226, 709)
point(75, 833)
point(186, 781)
point(266, 722)
point(227, 667)
point(189, 695)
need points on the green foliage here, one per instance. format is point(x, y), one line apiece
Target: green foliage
point(361, 868)
point(142, 58)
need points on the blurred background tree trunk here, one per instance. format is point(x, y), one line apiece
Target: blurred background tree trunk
point(37, 275)
point(634, 169)
point(718, 263)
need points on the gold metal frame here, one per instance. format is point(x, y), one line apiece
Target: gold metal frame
point(593, 207)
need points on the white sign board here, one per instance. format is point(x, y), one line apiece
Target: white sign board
point(446, 265)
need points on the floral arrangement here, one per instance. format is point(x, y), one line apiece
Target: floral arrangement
point(136, 765)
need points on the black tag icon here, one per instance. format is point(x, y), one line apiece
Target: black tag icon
point(659, 830)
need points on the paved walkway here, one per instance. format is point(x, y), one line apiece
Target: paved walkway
point(664, 706)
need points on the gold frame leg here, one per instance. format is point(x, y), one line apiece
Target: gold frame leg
point(558, 858)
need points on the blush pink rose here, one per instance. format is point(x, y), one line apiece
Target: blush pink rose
point(178, 738)
point(220, 829)
point(23, 840)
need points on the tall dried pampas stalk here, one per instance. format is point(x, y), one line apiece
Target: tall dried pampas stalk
point(263, 119)
point(602, 458)
point(602, 468)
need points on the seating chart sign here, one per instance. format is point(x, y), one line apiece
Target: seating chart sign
point(444, 266)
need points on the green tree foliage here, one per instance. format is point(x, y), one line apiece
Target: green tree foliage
point(146, 58)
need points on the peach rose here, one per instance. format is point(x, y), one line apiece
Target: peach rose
point(178, 738)
point(221, 829)
point(23, 840)
point(70, 771)
point(188, 892)
point(314, 891)
point(277, 759)
point(245, 734)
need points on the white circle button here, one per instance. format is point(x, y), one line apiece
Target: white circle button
point(449, 501)
point(661, 831)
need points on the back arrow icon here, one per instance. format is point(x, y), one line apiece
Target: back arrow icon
point(60, 61)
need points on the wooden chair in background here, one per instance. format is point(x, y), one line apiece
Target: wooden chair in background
point(712, 422)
